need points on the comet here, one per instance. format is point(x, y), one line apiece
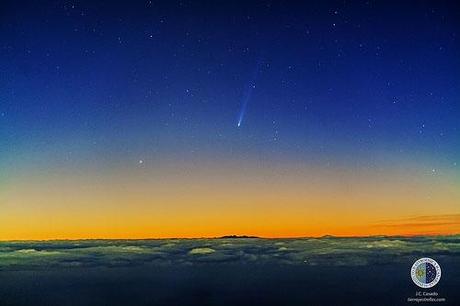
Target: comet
point(248, 93)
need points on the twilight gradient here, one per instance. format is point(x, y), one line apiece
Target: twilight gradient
point(120, 120)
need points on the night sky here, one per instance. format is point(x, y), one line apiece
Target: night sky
point(165, 118)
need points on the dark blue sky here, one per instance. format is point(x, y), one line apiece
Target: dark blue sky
point(348, 82)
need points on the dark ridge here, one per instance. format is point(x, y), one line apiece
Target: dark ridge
point(237, 237)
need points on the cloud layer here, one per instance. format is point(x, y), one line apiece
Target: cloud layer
point(306, 251)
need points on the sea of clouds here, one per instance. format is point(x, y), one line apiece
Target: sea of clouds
point(330, 251)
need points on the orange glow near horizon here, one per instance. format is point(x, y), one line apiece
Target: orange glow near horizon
point(175, 200)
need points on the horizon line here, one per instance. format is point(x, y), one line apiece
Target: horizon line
point(242, 237)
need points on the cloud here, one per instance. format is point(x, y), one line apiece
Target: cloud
point(424, 225)
point(33, 252)
point(306, 251)
point(201, 251)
